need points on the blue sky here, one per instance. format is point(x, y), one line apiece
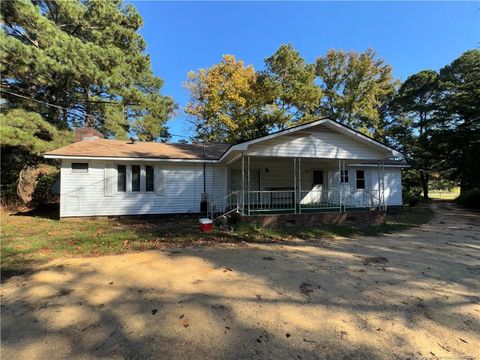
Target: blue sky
point(410, 36)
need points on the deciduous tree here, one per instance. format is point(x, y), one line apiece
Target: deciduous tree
point(356, 88)
point(225, 102)
point(291, 82)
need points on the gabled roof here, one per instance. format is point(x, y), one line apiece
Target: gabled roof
point(149, 151)
point(104, 148)
point(328, 122)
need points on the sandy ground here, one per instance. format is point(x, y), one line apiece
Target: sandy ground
point(315, 300)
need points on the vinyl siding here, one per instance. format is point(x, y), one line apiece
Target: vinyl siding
point(315, 144)
point(280, 175)
point(85, 195)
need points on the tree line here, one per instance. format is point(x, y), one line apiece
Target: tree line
point(433, 117)
point(67, 64)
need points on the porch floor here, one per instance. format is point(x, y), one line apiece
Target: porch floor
point(254, 212)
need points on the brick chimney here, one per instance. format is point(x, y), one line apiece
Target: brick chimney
point(87, 133)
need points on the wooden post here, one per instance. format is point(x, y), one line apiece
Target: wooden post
point(295, 184)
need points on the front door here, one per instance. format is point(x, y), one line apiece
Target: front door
point(318, 180)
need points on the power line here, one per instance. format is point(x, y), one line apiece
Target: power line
point(48, 104)
point(62, 108)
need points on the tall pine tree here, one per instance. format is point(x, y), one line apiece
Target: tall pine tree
point(86, 57)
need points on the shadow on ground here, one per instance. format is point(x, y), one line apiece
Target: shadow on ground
point(408, 295)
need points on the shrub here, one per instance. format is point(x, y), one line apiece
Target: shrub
point(470, 199)
point(43, 190)
point(411, 198)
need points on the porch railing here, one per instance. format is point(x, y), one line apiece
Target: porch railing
point(225, 205)
point(340, 199)
point(320, 199)
point(277, 200)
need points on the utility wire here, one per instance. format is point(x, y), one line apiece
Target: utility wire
point(48, 104)
point(62, 108)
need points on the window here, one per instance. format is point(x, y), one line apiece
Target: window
point(317, 177)
point(360, 179)
point(81, 168)
point(121, 178)
point(344, 176)
point(149, 178)
point(135, 178)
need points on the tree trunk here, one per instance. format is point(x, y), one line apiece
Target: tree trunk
point(424, 181)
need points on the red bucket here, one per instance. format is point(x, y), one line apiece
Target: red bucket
point(205, 225)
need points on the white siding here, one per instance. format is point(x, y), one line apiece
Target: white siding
point(84, 194)
point(393, 184)
point(316, 144)
point(280, 175)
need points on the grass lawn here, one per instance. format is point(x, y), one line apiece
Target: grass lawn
point(444, 194)
point(31, 238)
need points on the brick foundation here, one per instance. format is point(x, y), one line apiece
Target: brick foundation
point(358, 218)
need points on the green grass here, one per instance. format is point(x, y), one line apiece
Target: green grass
point(32, 238)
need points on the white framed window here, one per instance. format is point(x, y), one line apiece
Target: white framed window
point(79, 168)
point(360, 179)
point(121, 178)
point(135, 178)
point(344, 176)
point(149, 178)
point(317, 177)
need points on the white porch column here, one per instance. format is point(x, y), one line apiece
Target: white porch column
point(300, 185)
point(295, 184)
point(248, 184)
point(340, 184)
point(242, 202)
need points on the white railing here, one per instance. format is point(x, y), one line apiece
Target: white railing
point(362, 198)
point(341, 199)
point(320, 199)
point(269, 200)
point(225, 205)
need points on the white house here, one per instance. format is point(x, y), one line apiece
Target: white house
point(315, 167)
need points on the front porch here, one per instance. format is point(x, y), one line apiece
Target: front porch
point(277, 185)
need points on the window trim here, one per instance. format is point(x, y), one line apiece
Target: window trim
point(73, 171)
point(129, 178)
point(139, 178)
point(344, 176)
point(146, 178)
point(126, 177)
point(313, 177)
point(362, 179)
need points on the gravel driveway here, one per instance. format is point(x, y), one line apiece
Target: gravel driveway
point(408, 295)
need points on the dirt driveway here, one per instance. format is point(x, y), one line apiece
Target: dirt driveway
point(410, 295)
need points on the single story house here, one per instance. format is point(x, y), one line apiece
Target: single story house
point(321, 166)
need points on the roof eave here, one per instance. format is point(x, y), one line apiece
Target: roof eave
point(117, 158)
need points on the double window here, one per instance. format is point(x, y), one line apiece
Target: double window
point(135, 178)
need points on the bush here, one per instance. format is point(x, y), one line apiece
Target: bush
point(43, 190)
point(470, 199)
point(411, 198)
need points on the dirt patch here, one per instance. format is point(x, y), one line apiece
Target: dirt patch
point(315, 300)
